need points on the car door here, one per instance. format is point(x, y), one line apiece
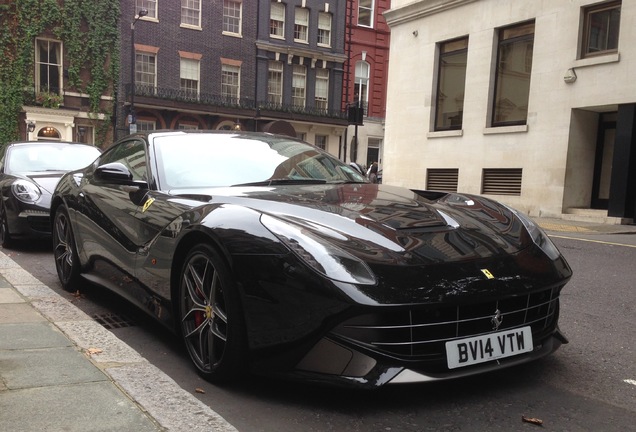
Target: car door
point(107, 228)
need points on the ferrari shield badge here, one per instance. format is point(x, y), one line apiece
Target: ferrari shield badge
point(487, 273)
point(148, 203)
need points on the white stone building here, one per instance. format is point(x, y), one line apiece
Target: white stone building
point(530, 102)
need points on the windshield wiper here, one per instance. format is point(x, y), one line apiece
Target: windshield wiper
point(283, 181)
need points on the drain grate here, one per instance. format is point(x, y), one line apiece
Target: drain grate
point(113, 321)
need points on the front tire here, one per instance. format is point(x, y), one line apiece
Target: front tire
point(64, 251)
point(5, 236)
point(211, 320)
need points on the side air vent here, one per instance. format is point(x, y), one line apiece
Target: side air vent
point(501, 181)
point(442, 179)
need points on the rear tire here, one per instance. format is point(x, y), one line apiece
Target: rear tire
point(211, 318)
point(64, 251)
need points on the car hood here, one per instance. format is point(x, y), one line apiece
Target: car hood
point(379, 219)
point(46, 181)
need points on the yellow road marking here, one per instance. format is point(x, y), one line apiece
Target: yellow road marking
point(594, 241)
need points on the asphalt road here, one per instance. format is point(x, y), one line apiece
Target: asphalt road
point(588, 385)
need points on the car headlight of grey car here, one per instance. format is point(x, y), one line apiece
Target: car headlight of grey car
point(26, 191)
point(319, 254)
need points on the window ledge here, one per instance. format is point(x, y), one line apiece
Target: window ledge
point(597, 60)
point(191, 27)
point(505, 129)
point(443, 134)
point(236, 35)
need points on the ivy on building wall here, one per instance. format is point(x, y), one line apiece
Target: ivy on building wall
point(90, 36)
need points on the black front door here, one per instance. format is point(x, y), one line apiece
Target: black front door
point(603, 161)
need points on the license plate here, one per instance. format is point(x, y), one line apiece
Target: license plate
point(485, 348)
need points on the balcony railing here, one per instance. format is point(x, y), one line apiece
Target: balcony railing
point(218, 101)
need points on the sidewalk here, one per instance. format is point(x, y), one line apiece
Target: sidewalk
point(62, 371)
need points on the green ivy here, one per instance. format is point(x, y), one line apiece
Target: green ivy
point(89, 32)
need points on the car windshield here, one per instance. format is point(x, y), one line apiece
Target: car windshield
point(50, 157)
point(195, 160)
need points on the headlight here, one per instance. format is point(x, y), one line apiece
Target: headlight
point(26, 191)
point(539, 237)
point(322, 256)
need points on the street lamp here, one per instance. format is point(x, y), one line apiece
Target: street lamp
point(132, 120)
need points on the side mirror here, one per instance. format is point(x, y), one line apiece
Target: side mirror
point(118, 173)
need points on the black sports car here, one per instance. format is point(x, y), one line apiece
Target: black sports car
point(269, 255)
point(29, 172)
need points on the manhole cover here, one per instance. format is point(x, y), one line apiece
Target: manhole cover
point(113, 321)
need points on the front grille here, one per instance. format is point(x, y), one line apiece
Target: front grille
point(421, 334)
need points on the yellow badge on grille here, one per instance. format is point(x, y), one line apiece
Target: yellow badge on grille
point(487, 273)
point(147, 204)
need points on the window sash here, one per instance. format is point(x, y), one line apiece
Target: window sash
point(601, 29)
point(365, 13)
point(324, 29)
point(275, 83)
point(150, 5)
point(451, 84)
point(322, 88)
point(232, 16)
point(301, 24)
point(299, 82)
point(512, 80)
point(49, 65)
point(145, 69)
point(277, 20)
point(191, 12)
point(230, 81)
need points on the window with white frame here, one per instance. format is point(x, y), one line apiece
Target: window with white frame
point(321, 141)
point(301, 24)
point(149, 5)
point(324, 29)
point(365, 13)
point(230, 82)
point(322, 89)
point(189, 71)
point(232, 17)
point(361, 85)
point(145, 70)
point(512, 78)
point(48, 71)
point(146, 125)
point(275, 82)
point(299, 83)
point(601, 26)
point(191, 13)
point(277, 20)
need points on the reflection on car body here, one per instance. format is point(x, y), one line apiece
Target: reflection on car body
point(266, 254)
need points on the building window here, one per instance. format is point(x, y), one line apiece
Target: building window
point(277, 20)
point(322, 89)
point(275, 83)
point(145, 72)
point(146, 125)
point(299, 82)
point(451, 83)
point(501, 181)
point(365, 13)
point(232, 17)
point(150, 5)
point(321, 142)
point(230, 82)
point(188, 126)
point(48, 58)
point(512, 80)
point(602, 22)
point(324, 29)
point(189, 73)
point(361, 86)
point(191, 13)
point(301, 24)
